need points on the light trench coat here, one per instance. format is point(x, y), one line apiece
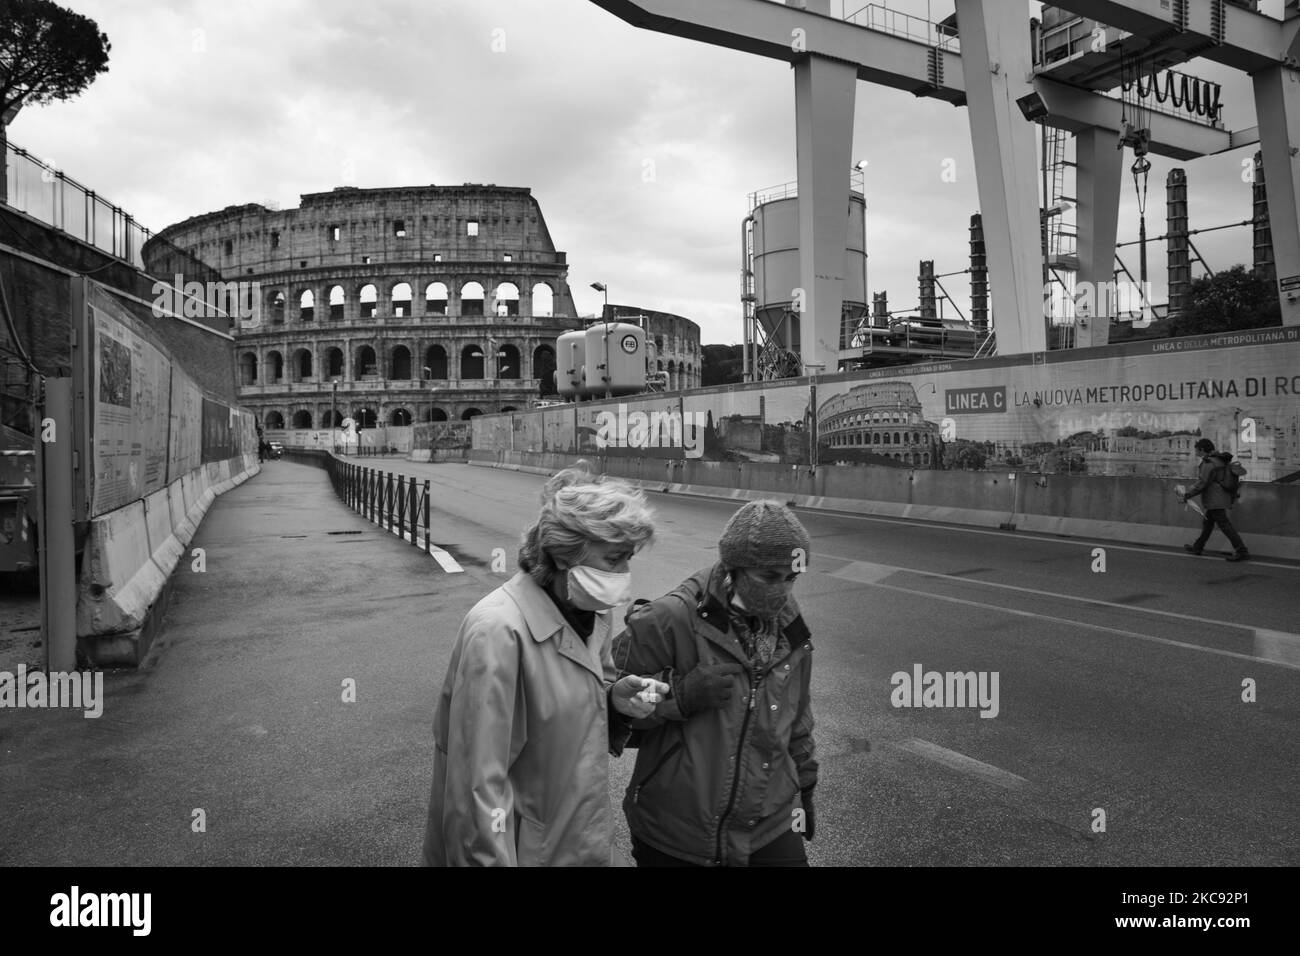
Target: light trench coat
point(521, 760)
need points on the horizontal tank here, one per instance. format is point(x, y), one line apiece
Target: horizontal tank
point(570, 357)
point(616, 359)
point(776, 265)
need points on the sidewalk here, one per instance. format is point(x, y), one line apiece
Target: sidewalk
point(239, 710)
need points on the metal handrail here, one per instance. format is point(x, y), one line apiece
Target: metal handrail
point(918, 29)
point(394, 502)
point(39, 190)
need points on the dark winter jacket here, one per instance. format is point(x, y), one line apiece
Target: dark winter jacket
point(1213, 495)
point(721, 784)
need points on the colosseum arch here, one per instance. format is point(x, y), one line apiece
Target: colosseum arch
point(274, 367)
point(435, 415)
point(302, 366)
point(435, 362)
point(508, 365)
point(364, 417)
point(273, 420)
point(401, 299)
point(368, 296)
point(672, 376)
point(506, 298)
point(470, 413)
point(399, 416)
point(334, 362)
point(471, 299)
point(435, 298)
point(544, 368)
point(338, 301)
point(248, 368)
point(401, 364)
point(331, 418)
point(275, 306)
point(366, 364)
point(543, 300)
point(471, 362)
point(306, 306)
point(302, 418)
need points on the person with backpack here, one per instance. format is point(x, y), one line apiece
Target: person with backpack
point(1218, 483)
point(726, 766)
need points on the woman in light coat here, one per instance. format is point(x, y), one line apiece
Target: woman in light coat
point(522, 730)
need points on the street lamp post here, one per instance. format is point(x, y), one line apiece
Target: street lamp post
point(604, 315)
point(334, 417)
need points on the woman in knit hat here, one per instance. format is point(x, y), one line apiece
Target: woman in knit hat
point(531, 701)
point(726, 766)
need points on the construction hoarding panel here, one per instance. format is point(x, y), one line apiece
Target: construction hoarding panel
point(131, 398)
point(1129, 409)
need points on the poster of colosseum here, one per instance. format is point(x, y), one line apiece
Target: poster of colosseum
point(1136, 411)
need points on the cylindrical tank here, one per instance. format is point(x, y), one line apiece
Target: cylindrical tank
point(776, 267)
point(615, 359)
point(570, 356)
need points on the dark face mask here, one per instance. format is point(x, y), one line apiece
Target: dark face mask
point(761, 599)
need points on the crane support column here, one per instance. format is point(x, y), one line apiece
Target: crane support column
point(1098, 177)
point(996, 61)
point(824, 92)
point(1277, 108)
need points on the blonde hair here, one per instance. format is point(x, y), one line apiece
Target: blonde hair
point(578, 507)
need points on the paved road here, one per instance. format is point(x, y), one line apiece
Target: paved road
point(1118, 691)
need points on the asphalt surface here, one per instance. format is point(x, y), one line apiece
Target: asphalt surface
point(1121, 735)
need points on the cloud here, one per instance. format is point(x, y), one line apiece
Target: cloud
point(641, 148)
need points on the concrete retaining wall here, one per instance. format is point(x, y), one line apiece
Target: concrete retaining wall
point(130, 553)
point(1134, 510)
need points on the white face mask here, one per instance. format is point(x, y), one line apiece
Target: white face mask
point(595, 590)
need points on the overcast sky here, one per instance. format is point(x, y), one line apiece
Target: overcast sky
point(209, 103)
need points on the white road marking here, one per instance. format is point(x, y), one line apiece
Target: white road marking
point(1153, 550)
point(872, 573)
point(1083, 624)
point(961, 763)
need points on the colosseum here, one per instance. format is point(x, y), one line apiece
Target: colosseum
point(881, 418)
point(394, 305)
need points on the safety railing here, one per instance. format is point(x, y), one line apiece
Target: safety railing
point(396, 503)
point(38, 189)
point(879, 17)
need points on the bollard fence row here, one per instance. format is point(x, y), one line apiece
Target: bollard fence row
point(394, 502)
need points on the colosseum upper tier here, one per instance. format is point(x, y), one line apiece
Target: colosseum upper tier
point(395, 305)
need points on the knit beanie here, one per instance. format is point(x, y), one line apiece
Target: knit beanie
point(763, 534)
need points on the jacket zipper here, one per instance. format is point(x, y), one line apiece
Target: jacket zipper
point(636, 792)
point(740, 749)
point(744, 726)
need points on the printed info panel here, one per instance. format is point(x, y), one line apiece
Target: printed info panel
point(131, 386)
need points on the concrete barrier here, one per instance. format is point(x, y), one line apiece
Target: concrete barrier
point(131, 552)
point(1127, 510)
point(119, 583)
point(164, 546)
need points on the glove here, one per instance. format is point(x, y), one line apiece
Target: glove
point(708, 687)
point(809, 815)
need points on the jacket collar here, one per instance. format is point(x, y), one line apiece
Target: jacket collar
point(545, 621)
point(712, 606)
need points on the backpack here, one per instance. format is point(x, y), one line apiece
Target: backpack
point(1228, 476)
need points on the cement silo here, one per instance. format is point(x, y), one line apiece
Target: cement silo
point(771, 270)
